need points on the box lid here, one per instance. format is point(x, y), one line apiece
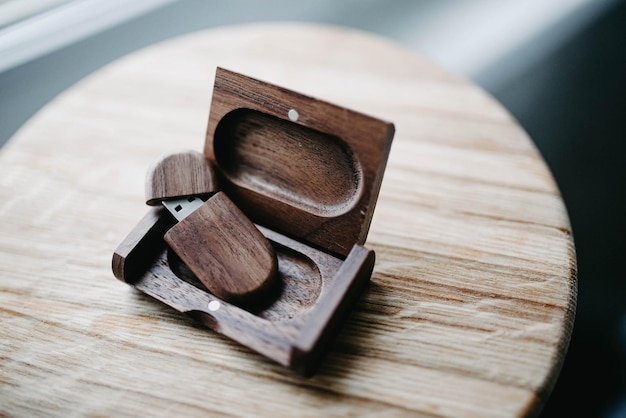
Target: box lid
point(300, 166)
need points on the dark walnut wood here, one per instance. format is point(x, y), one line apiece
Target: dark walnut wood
point(301, 166)
point(296, 320)
point(137, 252)
point(308, 174)
point(179, 174)
point(224, 250)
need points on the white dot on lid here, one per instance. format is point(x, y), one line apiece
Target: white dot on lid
point(293, 115)
point(214, 305)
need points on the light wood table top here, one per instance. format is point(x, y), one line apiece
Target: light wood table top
point(473, 294)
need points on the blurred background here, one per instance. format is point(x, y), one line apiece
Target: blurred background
point(558, 66)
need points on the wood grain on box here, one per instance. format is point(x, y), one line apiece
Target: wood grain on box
point(304, 187)
point(316, 178)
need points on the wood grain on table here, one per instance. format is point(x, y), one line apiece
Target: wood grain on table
point(473, 293)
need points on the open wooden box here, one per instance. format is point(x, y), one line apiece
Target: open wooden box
point(307, 173)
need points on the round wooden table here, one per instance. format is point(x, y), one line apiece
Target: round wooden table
point(473, 293)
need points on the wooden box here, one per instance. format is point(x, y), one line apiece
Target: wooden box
point(307, 173)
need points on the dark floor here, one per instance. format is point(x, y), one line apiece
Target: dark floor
point(576, 113)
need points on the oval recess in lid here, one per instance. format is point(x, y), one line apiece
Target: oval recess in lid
point(299, 166)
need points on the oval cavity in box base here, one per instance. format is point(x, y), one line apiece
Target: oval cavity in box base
point(297, 289)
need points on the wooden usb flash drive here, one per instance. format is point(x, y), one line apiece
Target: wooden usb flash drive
point(224, 250)
point(218, 243)
point(298, 180)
